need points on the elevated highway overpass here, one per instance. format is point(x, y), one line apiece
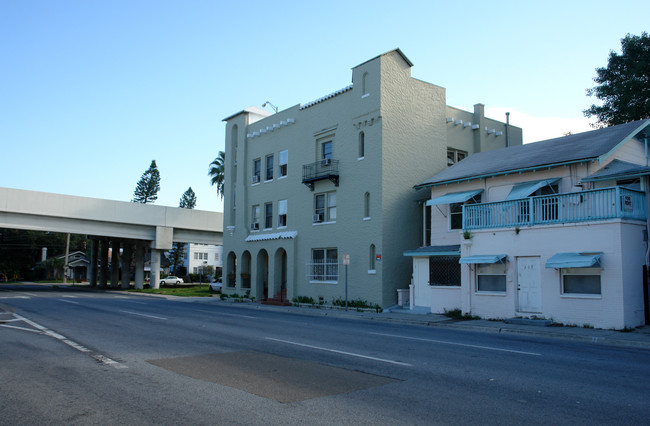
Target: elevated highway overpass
point(131, 227)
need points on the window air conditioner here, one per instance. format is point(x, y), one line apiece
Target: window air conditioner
point(318, 217)
point(255, 226)
point(325, 162)
point(256, 179)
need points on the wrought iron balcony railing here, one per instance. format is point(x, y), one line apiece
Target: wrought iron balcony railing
point(597, 204)
point(323, 169)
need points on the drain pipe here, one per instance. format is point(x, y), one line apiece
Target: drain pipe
point(508, 134)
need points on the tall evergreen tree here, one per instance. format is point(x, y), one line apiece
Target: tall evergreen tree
point(188, 200)
point(217, 173)
point(176, 254)
point(624, 86)
point(146, 191)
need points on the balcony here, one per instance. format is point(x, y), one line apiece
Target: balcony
point(323, 169)
point(583, 206)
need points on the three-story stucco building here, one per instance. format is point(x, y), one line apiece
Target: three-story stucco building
point(313, 186)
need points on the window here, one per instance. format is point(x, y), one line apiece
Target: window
point(255, 223)
point(195, 270)
point(326, 150)
point(269, 167)
point(205, 256)
point(454, 156)
point(216, 257)
point(196, 256)
point(283, 162)
point(282, 213)
point(257, 170)
point(325, 207)
point(371, 260)
point(581, 281)
point(366, 205)
point(324, 266)
point(444, 271)
point(362, 142)
point(491, 277)
point(268, 215)
point(456, 212)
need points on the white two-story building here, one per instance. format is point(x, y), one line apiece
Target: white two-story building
point(555, 229)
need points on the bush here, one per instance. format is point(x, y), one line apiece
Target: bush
point(356, 303)
point(303, 299)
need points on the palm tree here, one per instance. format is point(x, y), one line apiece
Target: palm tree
point(216, 172)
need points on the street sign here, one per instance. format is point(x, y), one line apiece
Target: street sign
point(346, 259)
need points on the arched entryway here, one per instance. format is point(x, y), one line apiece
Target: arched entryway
point(246, 270)
point(280, 273)
point(262, 274)
point(231, 270)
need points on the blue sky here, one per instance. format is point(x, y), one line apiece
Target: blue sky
point(92, 91)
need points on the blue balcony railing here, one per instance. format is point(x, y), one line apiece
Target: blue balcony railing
point(597, 204)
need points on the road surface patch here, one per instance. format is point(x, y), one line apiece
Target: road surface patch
point(270, 376)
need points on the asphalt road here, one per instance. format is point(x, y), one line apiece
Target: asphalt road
point(79, 357)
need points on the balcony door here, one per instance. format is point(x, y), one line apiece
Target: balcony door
point(529, 285)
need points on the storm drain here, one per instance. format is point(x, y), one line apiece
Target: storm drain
point(271, 376)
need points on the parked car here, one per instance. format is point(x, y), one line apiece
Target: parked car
point(216, 285)
point(171, 279)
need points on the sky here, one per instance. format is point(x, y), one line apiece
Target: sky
point(91, 90)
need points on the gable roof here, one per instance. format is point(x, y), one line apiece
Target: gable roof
point(618, 169)
point(578, 148)
point(399, 52)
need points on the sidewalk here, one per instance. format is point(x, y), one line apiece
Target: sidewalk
point(638, 338)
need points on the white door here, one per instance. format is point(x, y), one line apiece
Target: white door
point(421, 281)
point(529, 284)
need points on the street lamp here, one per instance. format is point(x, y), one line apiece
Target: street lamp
point(271, 105)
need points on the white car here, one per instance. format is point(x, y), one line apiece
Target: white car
point(216, 285)
point(171, 280)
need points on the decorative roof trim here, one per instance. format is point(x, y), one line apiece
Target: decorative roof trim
point(273, 236)
point(324, 98)
point(271, 128)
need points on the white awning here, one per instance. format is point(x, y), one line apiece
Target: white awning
point(273, 236)
point(574, 260)
point(524, 189)
point(483, 259)
point(454, 197)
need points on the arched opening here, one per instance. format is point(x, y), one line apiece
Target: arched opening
point(233, 141)
point(364, 86)
point(246, 270)
point(280, 272)
point(371, 260)
point(231, 270)
point(262, 274)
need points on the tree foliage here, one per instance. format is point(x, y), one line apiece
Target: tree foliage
point(146, 191)
point(624, 85)
point(217, 172)
point(188, 200)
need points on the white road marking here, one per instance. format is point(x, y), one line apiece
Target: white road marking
point(14, 297)
point(21, 328)
point(229, 315)
point(341, 352)
point(68, 301)
point(101, 358)
point(132, 301)
point(70, 297)
point(144, 315)
point(491, 348)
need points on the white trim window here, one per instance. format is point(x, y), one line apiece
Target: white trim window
point(324, 265)
point(269, 167)
point(257, 171)
point(456, 212)
point(581, 281)
point(325, 207)
point(283, 162)
point(255, 222)
point(268, 215)
point(454, 156)
point(491, 278)
point(282, 214)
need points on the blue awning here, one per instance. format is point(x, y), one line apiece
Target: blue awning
point(574, 260)
point(454, 197)
point(441, 251)
point(524, 189)
point(483, 258)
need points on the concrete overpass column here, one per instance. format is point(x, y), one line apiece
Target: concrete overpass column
point(115, 263)
point(139, 265)
point(126, 265)
point(103, 266)
point(94, 251)
point(155, 268)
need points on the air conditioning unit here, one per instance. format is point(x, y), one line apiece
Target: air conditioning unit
point(325, 162)
point(256, 179)
point(318, 217)
point(255, 226)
